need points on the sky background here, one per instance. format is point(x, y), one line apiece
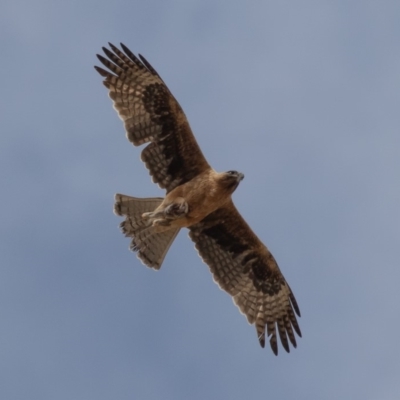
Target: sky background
point(303, 97)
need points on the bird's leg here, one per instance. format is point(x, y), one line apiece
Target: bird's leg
point(164, 216)
point(176, 210)
point(161, 222)
point(153, 214)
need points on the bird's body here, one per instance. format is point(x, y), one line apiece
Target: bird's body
point(203, 195)
point(197, 198)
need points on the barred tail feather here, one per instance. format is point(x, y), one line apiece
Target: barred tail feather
point(149, 242)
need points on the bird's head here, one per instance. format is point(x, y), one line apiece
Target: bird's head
point(230, 180)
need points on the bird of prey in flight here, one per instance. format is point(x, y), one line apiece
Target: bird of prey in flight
point(197, 197)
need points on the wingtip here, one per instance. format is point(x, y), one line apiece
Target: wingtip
point(101, 58)
point(294, 302)
point(143, 60)
point(274, 348)
point(101, 71)
point(299, 332)
point(124, 48)
point(114, 48)
point(286, 347)
point(261, 339)
point(297, 309)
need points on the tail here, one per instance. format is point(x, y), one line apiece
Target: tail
point(151, 245)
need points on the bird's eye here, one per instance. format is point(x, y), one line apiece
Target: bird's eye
point(231, 172)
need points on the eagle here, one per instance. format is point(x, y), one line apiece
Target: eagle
point(197, 197)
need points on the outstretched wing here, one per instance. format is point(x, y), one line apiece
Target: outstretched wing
point(243, 267)
point(151, 114)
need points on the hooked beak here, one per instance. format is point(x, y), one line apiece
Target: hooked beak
point(240, 176)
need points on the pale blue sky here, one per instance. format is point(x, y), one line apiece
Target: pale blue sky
point(303, 97)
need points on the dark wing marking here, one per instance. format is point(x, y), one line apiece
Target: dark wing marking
point(151, 114)
point(244, 267)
